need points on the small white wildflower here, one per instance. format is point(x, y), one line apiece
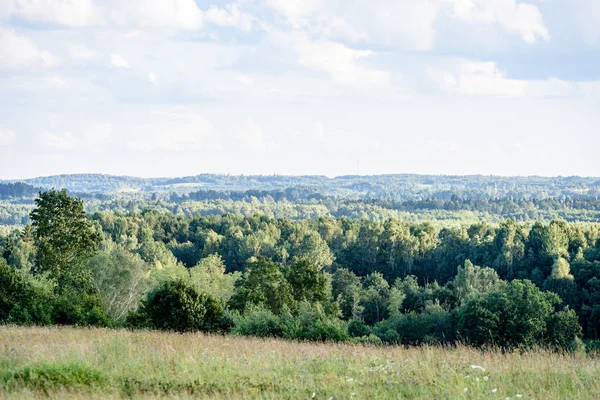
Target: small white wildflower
point(467, 376)
point(518, 395)
point(494, 390)
point(477, 367)
point(477, 379)
point(485, 378)
point(466, 390)
point(313, 395)
point(507, 398)
point(349, 380)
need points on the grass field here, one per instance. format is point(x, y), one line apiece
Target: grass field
point(96, 363)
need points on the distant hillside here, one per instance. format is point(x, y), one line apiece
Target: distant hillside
point(397, 187)
point(17, 190)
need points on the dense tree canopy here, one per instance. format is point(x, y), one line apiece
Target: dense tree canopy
point(509, 284)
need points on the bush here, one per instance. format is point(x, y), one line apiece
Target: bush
point(177, 306)
point(314, 324)
point(264, 323)
point(24, 300)
point(431, 326)
point(357, 328)
point(518, 315)
point(563, 329)
point(368, 340)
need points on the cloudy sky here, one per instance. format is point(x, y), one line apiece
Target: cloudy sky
point(182, 87)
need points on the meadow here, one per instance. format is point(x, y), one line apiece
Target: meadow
point(61, 362)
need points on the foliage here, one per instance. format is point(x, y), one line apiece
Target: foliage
point(178, 306)
point(92, 363)
point(263, 285)
point(121, 279)
point(262, 322)
point(209, 276)
point(22, 301)
point(518, 314)
point(63, 234)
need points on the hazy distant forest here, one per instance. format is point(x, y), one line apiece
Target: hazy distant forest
point(398, 259)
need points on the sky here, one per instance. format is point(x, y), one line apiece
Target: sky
point(326, 87)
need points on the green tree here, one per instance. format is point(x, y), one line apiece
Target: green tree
point(178, 306)
point(63, 234)
point(307, 281)
point(375, 298)
point(472, 279)
point(263, 285)
point(121, 278)
point(209, 277)
point(346, 288)
point(518, 314)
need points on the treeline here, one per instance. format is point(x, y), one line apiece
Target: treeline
point(396, 187)
point(514, 285)
point(284, 204)
point(17, 190)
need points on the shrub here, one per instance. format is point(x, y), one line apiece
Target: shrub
point(430, 326)
point(357, 328)
point(518, 315)
point(563, 329)
point(264, 323)
point(314, 324)
point(177, 306)
point(368, 340)
point(24, 300)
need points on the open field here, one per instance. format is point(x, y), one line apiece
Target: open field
point(84, 363)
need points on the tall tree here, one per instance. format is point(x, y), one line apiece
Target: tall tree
point(63, 234)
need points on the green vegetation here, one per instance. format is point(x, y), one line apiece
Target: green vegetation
point(533, 288)
point(449, 200)
point(99, 363)
point(328, 279)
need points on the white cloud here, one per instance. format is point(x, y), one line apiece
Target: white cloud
point(455, 151)
point(341, 63)
point(588, 19)
point(473, 78)
point(93, 138)
point(182, 14)
point(59, 141)
point(18, 52)
point(175, 129)
point(319, 132)
point(520, 17)
point(118, 62)
point(231, 16)
point(298, 8)
point(72, 13)
point(153, 78)
point(406, 24)
point(251, 137)
point(97, 136)
point(7, 136)
point(486, 79)
point(81, 52)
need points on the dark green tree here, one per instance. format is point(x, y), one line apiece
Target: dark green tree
point(63, 234)
point(264, 285)
point(178, 306)
point(307, 282)
point(346, 289)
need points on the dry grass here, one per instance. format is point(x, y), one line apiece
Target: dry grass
point(97, 363)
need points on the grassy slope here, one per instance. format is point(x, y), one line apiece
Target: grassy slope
point(68, 362)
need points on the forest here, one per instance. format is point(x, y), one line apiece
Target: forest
point(503, 283)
